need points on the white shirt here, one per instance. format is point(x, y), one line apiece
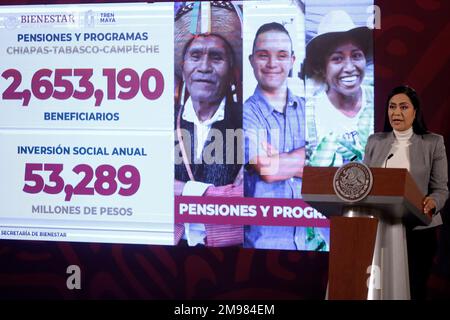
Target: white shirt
point(400, 150)
point(195, 233)
point(332, 122)
point(202, 128)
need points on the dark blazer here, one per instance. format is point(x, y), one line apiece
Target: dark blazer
point(428, 164)
point(225, 171)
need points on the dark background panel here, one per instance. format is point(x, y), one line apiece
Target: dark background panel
point(413, 48)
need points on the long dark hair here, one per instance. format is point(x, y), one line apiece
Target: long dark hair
point(419, 126)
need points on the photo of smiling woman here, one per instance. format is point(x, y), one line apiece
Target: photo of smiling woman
point(339, 86)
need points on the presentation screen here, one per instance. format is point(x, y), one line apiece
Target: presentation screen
point(175, 123)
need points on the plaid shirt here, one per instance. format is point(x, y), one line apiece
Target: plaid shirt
point(284, 131)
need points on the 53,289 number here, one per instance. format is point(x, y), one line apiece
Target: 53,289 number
point(107, 181)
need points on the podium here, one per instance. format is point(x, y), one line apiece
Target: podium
point(368, 257)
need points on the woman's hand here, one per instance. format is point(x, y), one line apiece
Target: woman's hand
point(429, 205)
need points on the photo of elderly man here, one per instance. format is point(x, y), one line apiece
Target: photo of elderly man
point(207, 109)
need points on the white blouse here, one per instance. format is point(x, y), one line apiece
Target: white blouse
point(400, 150)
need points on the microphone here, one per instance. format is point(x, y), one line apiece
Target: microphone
point(389, 156)
point(353, 158)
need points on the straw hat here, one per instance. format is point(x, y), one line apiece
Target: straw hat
point(333, 28)
point(214, 17)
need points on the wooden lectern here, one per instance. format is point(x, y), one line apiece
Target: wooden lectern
point(360, 232)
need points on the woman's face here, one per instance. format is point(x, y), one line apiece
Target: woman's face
point(401, 112)
point(345, 68)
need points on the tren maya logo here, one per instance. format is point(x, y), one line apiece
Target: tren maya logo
point(91, 18)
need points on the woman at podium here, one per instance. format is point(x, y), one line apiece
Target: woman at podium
point(406, 143)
